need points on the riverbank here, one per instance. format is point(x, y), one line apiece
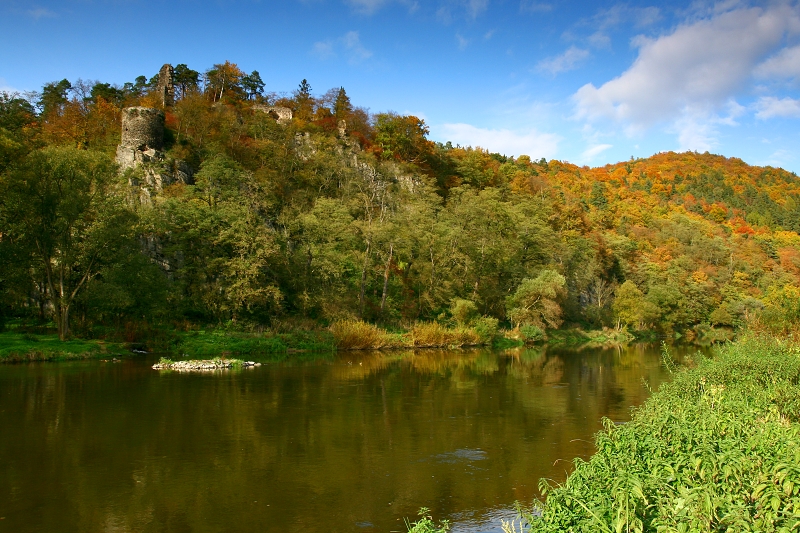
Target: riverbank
point(715, 449)
point(17, 345)
point(22, 347)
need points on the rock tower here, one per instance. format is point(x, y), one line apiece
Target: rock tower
point(166, 85)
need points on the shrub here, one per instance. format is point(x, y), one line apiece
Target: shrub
point(433, 334)
point(358, 335)
point(531, 333)
point(486, 328)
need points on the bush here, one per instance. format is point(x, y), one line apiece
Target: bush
point(486, 328)
point(531, 333)
point(358, 335)
point(434, 335)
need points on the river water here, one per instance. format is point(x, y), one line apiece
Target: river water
point(355, 442)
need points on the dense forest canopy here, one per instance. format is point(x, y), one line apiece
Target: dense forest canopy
point(341, 213)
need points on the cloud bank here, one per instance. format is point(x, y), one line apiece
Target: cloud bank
point(504, 141)
point(688, 79)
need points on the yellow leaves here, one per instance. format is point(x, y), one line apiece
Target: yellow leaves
point(699, 277)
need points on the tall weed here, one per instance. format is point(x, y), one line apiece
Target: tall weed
point(359, 335)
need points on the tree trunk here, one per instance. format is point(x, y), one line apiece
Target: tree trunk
point(363, 280)
point(386, 277)
point(62, 321)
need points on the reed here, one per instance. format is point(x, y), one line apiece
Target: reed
point(358, 335)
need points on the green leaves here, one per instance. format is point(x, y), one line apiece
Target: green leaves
point(715, 450)
point(536, 301)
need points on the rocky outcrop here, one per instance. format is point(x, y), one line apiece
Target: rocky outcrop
point(282, 114)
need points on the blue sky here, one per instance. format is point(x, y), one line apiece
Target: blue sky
point(585, 82)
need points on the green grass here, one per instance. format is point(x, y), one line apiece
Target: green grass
point(716, 449)
point(271, 346)
point(18, 347)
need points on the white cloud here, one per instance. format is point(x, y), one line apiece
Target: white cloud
point(462, 42)
point(41, 12)
point(606, 21)
point(476, 7)
point(532, 143)
point(599, 40)
point(695, 132)
point(690, 73)
point(784, 64)
point(4, 88)
point(563, 62)
point(593, 151)
point(356, 50)
point(535, 7)
point(769, 107)
point(323, 50)
point(366, 7)
point(470, 8)
point(349, 44)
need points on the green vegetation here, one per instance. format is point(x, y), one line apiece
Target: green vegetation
point(343, 219)
point(716, 449)
point(18, 347)
point(425, 524)
point(276, 346)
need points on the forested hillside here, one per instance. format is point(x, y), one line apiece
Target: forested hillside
point(343, 214)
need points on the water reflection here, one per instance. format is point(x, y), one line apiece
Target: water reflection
point(353, 444)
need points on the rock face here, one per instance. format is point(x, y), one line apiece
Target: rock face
point(282, 114)
point(166, 85)
point(142, 136)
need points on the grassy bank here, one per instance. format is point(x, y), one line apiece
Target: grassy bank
point(275, 346)
point(19, 347)
point(716, 449)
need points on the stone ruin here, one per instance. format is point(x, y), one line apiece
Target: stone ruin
point(142, 136)
point(142, 145)
point(166, 86)
point(282, 114)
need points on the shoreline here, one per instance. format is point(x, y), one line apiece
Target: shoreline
point(17, 347)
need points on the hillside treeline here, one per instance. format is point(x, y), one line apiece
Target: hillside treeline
point(342, 213)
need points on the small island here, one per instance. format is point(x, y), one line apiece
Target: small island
point(203, 365)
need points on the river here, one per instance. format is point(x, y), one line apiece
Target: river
point(353, 442)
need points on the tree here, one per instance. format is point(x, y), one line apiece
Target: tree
point(224, 78)
point(632, 308)
point(185, 80)
point(536, 301)
point(253, 85)
point(342, 106)
point(60, 211)
point(403, 137)
point(107, 92)
point(16, 115)
point(304, 101)
point(53, 96)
